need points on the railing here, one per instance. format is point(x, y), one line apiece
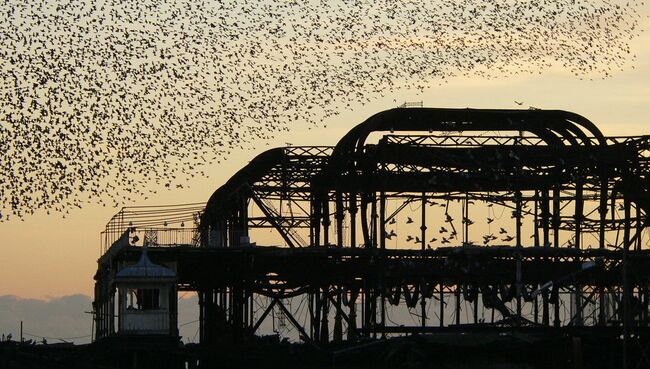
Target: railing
point(160, 237)
point(168, 237)
point(165, 225)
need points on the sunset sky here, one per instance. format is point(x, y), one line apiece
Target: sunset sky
point(47, 256)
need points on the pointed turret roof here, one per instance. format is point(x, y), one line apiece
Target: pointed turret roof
point(145, 268)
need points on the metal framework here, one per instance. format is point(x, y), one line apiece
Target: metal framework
point(508, 219)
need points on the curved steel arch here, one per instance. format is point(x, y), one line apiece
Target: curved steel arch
point(552, 126)
point(227, 197)
point(277, 173)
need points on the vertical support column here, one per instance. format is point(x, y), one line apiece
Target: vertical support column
point(373, 220)
point(442, 305)
point(364, 305)
point(374, 229)
point(99, 313)
point(365, 225)
point(338, 330)
point(223, 304)
point(602, 212)
point(111, 312)
point(324, 328)
point(382, 220)
point(312, 309)
point(326, 219)
point(237, 313)
point(316, 320)
point(201, 316)
point(383, 312)
point(369, 312)
point(476, 299)
point(240, 222)
point(423, 234)
point(353, 219)
point(227, 240)
point(339, 219)
point(547, 243)
point(338, 319)
point(96, 314)
point(230, 231)
point(626, 284)
point(315, 220)
point(243, 218)
point(518, 253)
point(639, 227)
point(556, 243)
point(457, 304)
point(173, 310)
point(251, 311)
point(209, 322)
point(352, 326)
point(579, 206)
point(109, 317)
point(423, 225)
point(382, 232)
point(311, 222)
point(423, 303)
point(465, 221)
point(643, 290)
point(536, 245)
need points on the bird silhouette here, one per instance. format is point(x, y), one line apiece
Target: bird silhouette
point(488, 238)
point(467, 221)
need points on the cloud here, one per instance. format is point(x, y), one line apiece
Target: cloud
point(61, 317)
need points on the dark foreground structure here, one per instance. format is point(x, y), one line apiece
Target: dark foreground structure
point(457, 238)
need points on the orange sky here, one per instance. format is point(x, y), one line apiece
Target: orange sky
point(45, 256)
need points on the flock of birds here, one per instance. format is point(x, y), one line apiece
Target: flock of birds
point(107, 101)
point(447, 232)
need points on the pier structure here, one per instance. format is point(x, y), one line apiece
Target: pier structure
point(419, 221)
